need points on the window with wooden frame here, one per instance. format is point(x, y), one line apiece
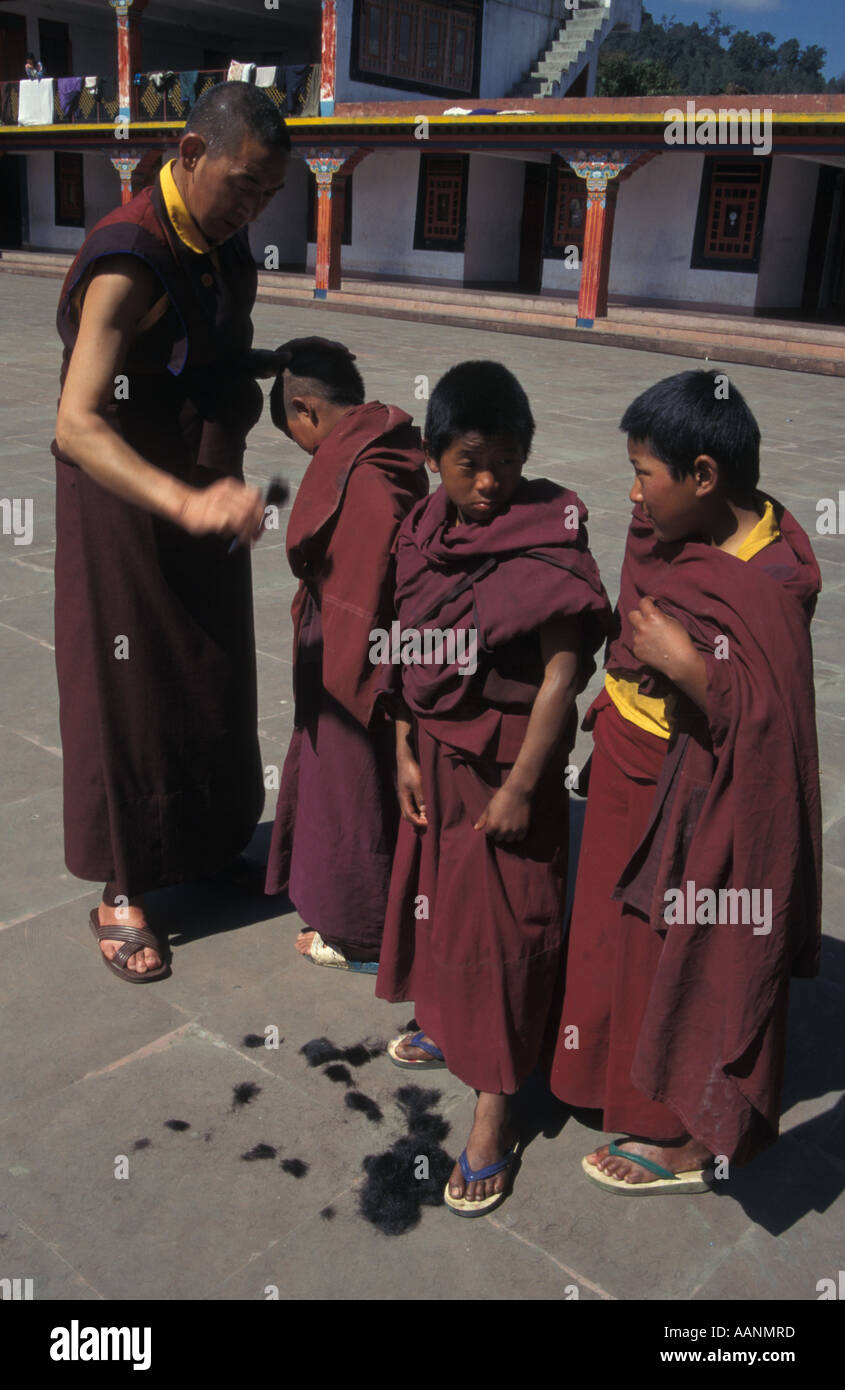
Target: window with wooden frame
point(69, 190)
point(421, 46)
point(731, 211)
point(441, 203)
point(566, 215)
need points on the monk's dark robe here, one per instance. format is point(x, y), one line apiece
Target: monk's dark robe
point(474, 927)
point(336, 816)
point(154, 638)
point(681, 1016)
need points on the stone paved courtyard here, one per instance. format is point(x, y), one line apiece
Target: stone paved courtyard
point(90, 1068)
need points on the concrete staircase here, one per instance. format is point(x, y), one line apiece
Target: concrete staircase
point(706, 335)
point(577, 46)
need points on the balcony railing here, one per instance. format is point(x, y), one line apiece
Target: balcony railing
point(168, 96)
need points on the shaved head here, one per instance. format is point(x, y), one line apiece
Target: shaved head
point(231, 112)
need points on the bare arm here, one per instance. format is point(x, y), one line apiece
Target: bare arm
point(508, 814)
point(408, 776)
point(116, 300)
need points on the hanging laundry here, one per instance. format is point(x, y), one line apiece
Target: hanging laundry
point(296, 87)
point(35, 102)
point(163, 81)
point(188, 86)
point(265, 77)
point(70, 90)
point(240, 72)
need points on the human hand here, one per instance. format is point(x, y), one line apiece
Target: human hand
point(409, 788)
point(226, 508)
point(659, 641)
point(507, 815)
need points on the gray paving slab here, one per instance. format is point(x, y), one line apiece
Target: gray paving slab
point(92, 1067)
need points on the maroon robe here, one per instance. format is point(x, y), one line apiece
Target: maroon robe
point(685, 1032)
point(474, 928)
point(162, 775)
point(336, 816)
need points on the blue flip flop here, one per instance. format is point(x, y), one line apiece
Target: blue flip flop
point(437, 1062)
point(460, 1206)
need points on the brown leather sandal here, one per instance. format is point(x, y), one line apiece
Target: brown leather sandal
point(134, 939)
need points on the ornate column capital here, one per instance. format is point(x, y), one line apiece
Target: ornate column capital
point(597, 168)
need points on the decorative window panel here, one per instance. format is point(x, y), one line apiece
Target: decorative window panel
point(441, 203)
point(421, 46)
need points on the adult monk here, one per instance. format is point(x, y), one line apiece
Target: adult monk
point(154, 640)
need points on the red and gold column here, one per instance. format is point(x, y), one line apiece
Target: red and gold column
point(601, 174)
point(328, 57)
point(125, 165)
point(128, 15)
point(331, 169)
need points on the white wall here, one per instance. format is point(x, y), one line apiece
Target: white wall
point(284, 222)
point(514, 34)
point(102, 194)
point(384, 207)
point(652, 241)
point(786, 233)
point(494, 218)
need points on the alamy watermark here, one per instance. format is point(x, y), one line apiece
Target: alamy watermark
point(747, 907)
point(701, 125)
point(430, 646)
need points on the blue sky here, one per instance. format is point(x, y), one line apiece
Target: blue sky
point(816, 21)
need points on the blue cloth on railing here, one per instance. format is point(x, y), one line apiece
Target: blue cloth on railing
point(295, 85)
point(188, 86)
point(70, 89)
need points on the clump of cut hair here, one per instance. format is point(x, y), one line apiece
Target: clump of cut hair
point(326, 372)
point(231, 111)
point(478, 397)
point(397, 1185)
point(695, 413)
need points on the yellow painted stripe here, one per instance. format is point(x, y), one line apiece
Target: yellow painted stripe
point(328, 123)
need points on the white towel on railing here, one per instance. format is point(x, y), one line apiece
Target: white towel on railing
point(265, 77)
point(35, 102)
point(240, 72)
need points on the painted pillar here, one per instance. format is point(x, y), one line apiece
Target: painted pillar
point(125, 165)
point(601, 173)
point(128, 15)
point(324, 164)
point(331, 169)
point(328, 57)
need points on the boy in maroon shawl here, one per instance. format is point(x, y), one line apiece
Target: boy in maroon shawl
point(154, 640)
point(698, 890)
point(336, 816)
point(500, 609)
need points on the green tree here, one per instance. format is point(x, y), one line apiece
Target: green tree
point(621, 76)
point(710, 58)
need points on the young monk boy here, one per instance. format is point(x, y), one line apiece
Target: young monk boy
point(336, 816)
point(498, 566)
point(698, 890)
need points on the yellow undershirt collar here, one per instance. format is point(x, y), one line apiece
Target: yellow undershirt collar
point(183, 223)
point(764, 533)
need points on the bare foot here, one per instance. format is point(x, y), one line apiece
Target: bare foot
point(407, 1053)
point(303, 942)
point(131, 915)
point(490, 1138)
point(679, 1156)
